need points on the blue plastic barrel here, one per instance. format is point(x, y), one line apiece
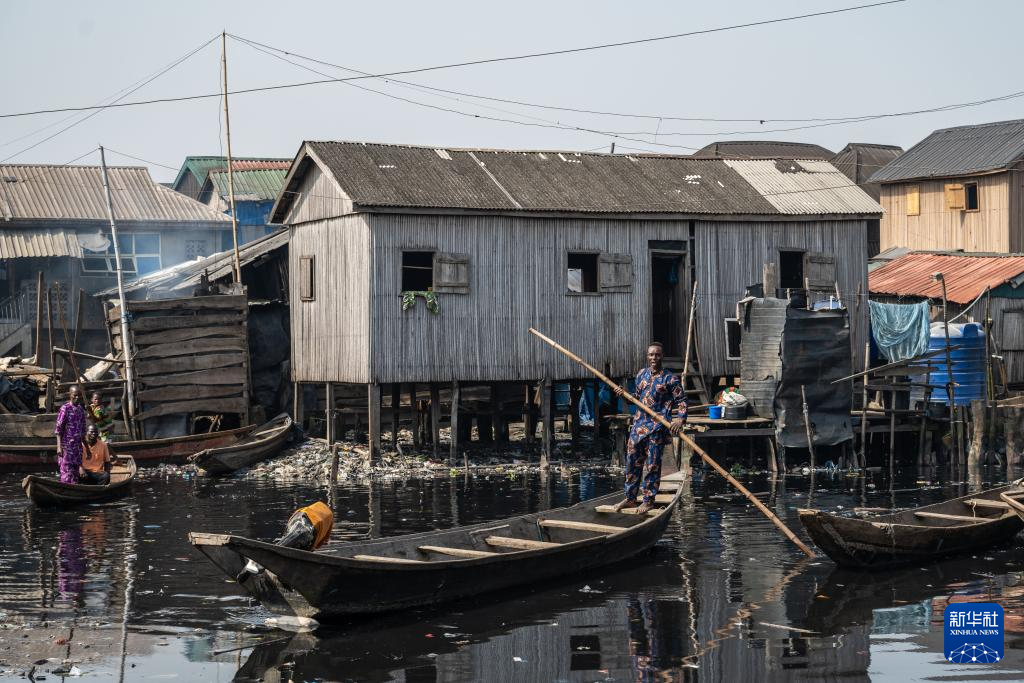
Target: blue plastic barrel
point(968, 363)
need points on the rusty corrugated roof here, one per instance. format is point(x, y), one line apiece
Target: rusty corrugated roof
point(966, 275)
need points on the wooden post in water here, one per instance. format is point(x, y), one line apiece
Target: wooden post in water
point(807, 427)
point(39, 318)
point(498, 421)
point(329, 412)
point(976, 454)
point(297, 407)
point(596, 413)
point(453, 452)
point(396, 412)
point(435, 418)
point(415, 424)
point(862, 459)
point(1011, 426)
point(547, 413)
point(529, 415)
point(373, 423)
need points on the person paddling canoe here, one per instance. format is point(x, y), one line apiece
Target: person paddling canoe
point(663, 392)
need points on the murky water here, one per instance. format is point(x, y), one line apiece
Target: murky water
point(118, 590)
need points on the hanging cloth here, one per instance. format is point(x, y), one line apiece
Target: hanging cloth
point(900, 330)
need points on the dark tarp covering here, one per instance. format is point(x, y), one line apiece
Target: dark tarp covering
point(815, 352)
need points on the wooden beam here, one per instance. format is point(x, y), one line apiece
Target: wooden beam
point(396, 412)
point(212, 405)
point(185, 348)
point(217, 376)
point(39, 318)
point(991, 504)
point(387, 560)
point(547, 416)
point(159, 366)
point(955, 518)
point(519, 543)
point(373, 399)
point(177, 322)
point(329, 417)
point(610, 509)
point(456, 552)
point(186, 334)
point(187, 391)
point(580, 526)
point(217, 302)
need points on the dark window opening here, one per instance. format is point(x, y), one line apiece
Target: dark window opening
point(971, 197)
point(582, 272)
point(417, 271)
point(732, 339)
point(306, 279)
point(791, 269)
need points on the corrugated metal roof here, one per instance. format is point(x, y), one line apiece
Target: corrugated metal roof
point(261, 164)
point(377, 175)
point(76, 192)
point(964, 150)
point(762, 149)
point(39, 243)
point(804, 187)
point(200, 166)
point(858, 161)
point(188, 274)
point(258, 185)
point(966, 276)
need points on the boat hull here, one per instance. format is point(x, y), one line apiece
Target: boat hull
point(51, 492)
point(227, 459)
point(332, 585)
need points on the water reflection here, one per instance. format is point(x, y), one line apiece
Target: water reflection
point(721, 598)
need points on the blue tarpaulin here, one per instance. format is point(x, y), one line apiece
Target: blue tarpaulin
point(900, 330)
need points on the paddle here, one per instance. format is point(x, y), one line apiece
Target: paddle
point(689, 442)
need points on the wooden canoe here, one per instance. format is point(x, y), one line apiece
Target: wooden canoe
point(49, 491)
point(260, 445)
point(960, 525)
point(437, 566)
point(42, 455)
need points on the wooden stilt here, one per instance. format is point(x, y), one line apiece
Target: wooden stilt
point(773, 464)
point(39, 318)
point(297, 406)
point(498, 422)
point(575, 392)
point(529, 415)
point(396, 412)
point(453, 452)
point(547, 412)
point(862, 458)
point(373, 423)
point(596, 412)
point(976, 454)
point(329, 412)
point(417, 442)
point(435, 418)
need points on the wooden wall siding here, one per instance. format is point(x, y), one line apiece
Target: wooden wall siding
point(190, 186)
point(1016, 191)
point(191, 355)
point(319, 197)
point(331, 334)
point(517, 279)
point(730, 256)
point(937, 227)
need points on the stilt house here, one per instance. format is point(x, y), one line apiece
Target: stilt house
point(598, 251)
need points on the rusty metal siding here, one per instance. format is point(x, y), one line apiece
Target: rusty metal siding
point(517, 280)
point(730, 256)
point(330, 335)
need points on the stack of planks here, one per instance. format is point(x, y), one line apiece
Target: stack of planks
point(191, 355)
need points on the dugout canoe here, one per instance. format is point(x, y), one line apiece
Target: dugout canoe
point(41, 452)
point(416, 570)
point(50, 491)
point(263, 443)
point(960, 525)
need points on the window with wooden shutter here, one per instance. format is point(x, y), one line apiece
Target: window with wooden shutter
point(307, 291)
point(616, 272)
point(955, 197)
point(914, 200)
point(451, 273)
point(820, 270)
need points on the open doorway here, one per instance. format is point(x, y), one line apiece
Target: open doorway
point(668, 301)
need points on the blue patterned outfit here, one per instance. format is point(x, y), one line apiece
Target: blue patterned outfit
point(662, 392)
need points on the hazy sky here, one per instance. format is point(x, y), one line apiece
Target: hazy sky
point(918, 54)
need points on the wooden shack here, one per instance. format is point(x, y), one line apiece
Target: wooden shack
point(598, 251)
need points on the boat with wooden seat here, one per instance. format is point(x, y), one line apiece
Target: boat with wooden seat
point(437, 566)
point(263, 443)
point(961, 525)
point(50, 491)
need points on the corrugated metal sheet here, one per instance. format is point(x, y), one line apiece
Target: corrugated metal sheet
point(200, 166)
point(859, 161)
point(762, 149)
point(38, 243)
point(374, 175)
point(964, 150)
point(258, 185)
point(76, 192)
point(966, 276)
point(805, 187)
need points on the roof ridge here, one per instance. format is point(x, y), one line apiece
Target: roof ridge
point(978, 125)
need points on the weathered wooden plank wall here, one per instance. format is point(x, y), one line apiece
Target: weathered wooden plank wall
point(191, 355)
point(331, 334)
point(731, 256)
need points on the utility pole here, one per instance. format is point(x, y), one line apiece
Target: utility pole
point(950, 386)
point(231, 177)
point(129, 371)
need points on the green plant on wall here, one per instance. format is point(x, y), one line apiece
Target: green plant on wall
point(409, 300)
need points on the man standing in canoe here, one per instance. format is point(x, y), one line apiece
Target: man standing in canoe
point(70, 431)
point(662, 392)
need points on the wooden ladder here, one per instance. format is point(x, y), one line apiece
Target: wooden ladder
point(693, 378)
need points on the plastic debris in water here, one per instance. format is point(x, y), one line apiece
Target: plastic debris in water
point(295, 624)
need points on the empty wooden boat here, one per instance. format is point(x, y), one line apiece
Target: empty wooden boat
point(263, 443)
point(437, 566)
point(50, 491)
point(961, 525)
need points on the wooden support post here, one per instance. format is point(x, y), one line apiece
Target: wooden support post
point(529, 415)
point(976, 454)
point(862, 459)
point(547, 412)
point(453, 452)
point(596, 411)
point(329, 423)
point(807, 427)
point(297, 407)
point(79, 312)
point(435, 418)
point(575, 392)
point(415, 424)
point(39, 318)
point(498, 422)
point(49, 328)
point(373, 423)
point(1011, 425)
point(892, 428)
point(773, 463)
point(334, 464)
point(396, 412)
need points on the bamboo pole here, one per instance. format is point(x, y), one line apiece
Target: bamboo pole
point(688, 441)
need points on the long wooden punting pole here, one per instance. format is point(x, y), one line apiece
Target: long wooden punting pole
point(689, 442)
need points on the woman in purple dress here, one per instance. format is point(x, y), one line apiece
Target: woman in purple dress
point(70, 430)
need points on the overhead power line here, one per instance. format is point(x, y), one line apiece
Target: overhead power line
point(477, 62)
